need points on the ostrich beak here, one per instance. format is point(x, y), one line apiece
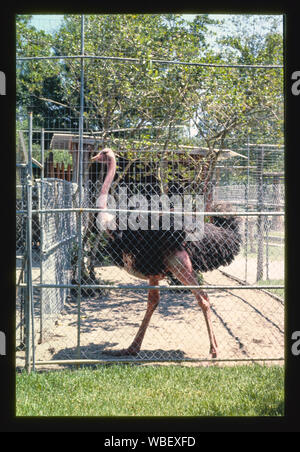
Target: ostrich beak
point(99, 157)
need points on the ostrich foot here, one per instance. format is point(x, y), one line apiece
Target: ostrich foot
point(214, 347)
point(213, 352)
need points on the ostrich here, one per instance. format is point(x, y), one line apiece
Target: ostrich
point(154, 254)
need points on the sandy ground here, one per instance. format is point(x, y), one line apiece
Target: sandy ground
point(238, 269)
point(247, 323)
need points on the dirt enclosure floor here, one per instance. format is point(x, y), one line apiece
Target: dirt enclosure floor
point(248, 324)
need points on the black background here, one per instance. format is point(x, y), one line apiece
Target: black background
point(8, 422)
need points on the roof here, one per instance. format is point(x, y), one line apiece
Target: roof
point(36, 164)
point(223, 153)
point(62, 141)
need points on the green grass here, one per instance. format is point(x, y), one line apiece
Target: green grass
point(276, 253)
point(126, 390)
point(274, 282)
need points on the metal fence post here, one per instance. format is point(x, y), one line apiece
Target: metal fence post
point(247, 209)
point(29, 316)
point(260, 220)
point(41, 206)
point(80, 161)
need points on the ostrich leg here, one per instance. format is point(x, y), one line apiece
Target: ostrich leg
point(153, 300)
point(181, 267)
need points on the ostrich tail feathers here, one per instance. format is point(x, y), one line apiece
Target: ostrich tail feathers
point(227, 222)
point(218, 246)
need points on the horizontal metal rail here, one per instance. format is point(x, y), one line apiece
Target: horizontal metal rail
point(87, 209)
point(153, 60)
point(129, 287)
point(147, 360)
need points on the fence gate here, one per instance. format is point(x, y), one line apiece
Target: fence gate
point(58, 239)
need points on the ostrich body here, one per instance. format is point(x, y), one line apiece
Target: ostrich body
point(153, 254)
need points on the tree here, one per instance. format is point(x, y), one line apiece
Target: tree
point(258, 40)
point(133, 94)
point(237, 102)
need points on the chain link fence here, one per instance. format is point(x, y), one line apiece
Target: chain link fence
point(88, 307)
point(94, 240)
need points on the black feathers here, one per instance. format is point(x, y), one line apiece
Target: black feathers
point(218, 247)
point(148, 249)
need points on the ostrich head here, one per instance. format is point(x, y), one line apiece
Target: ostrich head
point(106, 156)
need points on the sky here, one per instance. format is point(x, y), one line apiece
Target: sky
point(46, 22)
point(50, 23)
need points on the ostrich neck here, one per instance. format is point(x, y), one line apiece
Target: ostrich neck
point(111, 171)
